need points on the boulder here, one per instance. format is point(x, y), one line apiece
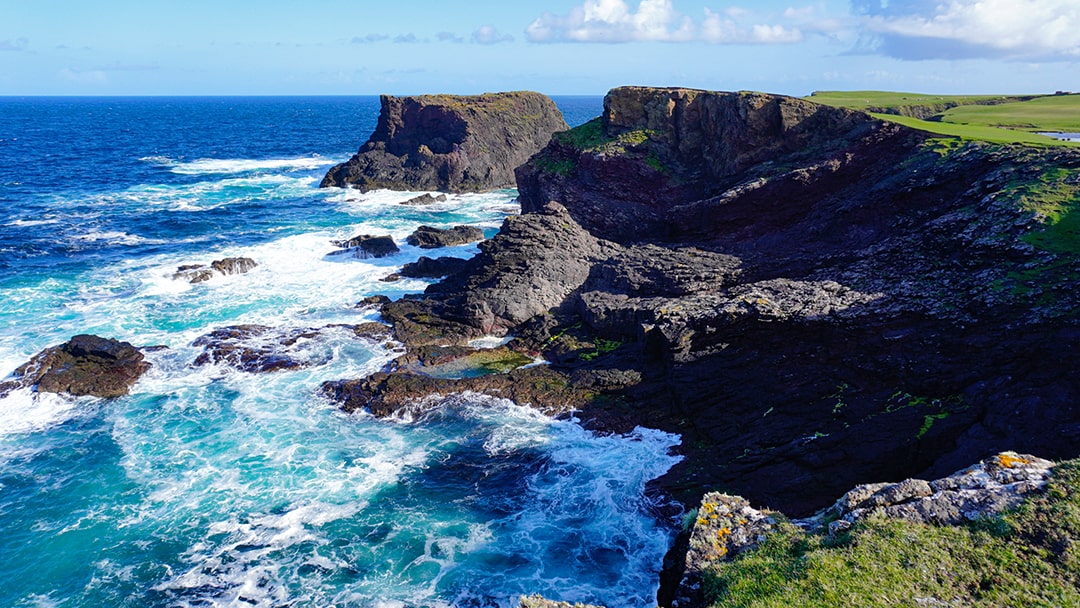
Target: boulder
point(429, 237)
point(450, 143)
point(433, 268)
point(84, 365)
point(425, 199)
point(367, 246)
point(198, 273)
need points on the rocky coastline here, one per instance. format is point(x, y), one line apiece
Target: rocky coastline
point(811, 298)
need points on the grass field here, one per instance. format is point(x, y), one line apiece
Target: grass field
point(995, 118)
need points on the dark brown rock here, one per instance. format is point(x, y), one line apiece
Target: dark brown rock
point(368, 246)
point(450, 143)
point(425, 199)
point(433, 268)
point(84, 365)
point(198, 273)
point(429, 237)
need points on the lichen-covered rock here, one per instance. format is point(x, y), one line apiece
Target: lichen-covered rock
point(84, 365)
point(450, 143)
point(429, 237)
point(198, 273)
point(723, 527)
point(990, 487)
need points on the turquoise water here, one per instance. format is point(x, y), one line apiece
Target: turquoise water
point(208, 486)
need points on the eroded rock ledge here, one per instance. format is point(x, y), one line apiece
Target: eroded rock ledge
point(84, 365)
point(450, 143)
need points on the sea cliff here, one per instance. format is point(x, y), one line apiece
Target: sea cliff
point(450, 143)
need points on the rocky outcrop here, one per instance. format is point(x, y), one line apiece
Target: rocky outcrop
point(536, 601)
point(425, 199)
point(811, 298)
point(725, 526)
point(429, 237)
point(992, 486)
point(366, 246)
point(433, 268)
point(84, 365)
point(198, 273)
point(450, 143)
point(260, 349)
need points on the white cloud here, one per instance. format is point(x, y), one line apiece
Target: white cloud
point(487, 34)
point(614, 21)
point(1016, 29)
point(657, 21)
point(84, 76)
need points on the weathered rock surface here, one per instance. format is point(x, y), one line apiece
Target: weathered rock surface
point(450, 143)
point(425, 199)
point(812, 298)
point(993, 486)
point(725, 526)
point(198, 273)
point(433, 268)
point(259, 348)
point(367, 246)
point(84, 365)
point(429, 237)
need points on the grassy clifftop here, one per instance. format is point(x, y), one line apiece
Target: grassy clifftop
point(994, 118)
point(1029, 557)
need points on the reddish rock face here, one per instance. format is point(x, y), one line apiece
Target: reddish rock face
point(450, 143)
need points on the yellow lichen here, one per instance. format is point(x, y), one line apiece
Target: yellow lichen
point(1008, 460)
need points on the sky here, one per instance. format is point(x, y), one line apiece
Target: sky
point(558, 47)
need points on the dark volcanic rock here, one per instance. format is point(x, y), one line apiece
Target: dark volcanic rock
point(368, 246)
point(84, 365)
point(198, 273)
point(429, 237)
point(433, 268)
point(258, 348)
point(425, 199)
point(450, 143)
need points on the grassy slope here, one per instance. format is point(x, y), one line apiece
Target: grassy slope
point(969, 120)
point(1027, 558)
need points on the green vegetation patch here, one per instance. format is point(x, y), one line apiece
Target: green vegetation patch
point(1054, 198)
point(1026, 558)
point(983, 133)
point(893, 100)
point(1049, 113)
point(590, 137)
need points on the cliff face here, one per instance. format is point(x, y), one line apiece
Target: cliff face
point(812, 298)
point(450, 143)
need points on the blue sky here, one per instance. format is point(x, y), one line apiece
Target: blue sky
point(360, 47)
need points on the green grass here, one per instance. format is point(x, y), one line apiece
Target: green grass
point(1051, 113)
point(982, 133)
point(1005, 119)
point(1055, 200)
point(1026, 558)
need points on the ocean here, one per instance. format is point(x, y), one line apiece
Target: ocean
point(210, 486)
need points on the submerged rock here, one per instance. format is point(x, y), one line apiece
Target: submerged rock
point(450, 143)
point(198, 273)
point(84, 365)
point(429, 237)
point(260, 349)
point(425, 199)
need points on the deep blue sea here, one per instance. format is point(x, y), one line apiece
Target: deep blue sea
point(209, 486)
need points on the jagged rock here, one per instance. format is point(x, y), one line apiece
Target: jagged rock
point(724, 527)
point(198, 273)
point(84, 365)
point(368, 246)
point(993, 486)
point(425, 199)
point(259, 349)
point(429, 268)
point(450, 143)
point(429, 237)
